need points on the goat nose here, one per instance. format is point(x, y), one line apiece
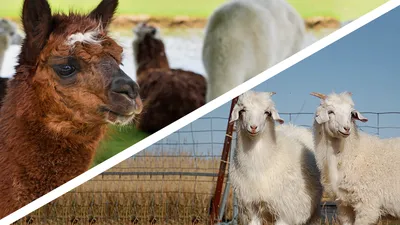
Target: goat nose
point(253, 127)
point(346, 129)
point(125, 85)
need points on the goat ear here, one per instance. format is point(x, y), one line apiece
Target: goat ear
point(36, 20)
point(235, 113)
point(275, 116)
point(322, 116)
point(358, 116)
point(104, 12)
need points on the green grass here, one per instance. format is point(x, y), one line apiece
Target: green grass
point(340, 9)
point(117, 140)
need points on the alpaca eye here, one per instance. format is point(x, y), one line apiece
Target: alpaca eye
point(65, 70)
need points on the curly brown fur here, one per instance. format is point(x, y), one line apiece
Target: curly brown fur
point(3, 87)
point(168, 94)
point(50, 124)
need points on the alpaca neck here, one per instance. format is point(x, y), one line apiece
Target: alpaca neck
point(157, 61)
point(3, 87)
point(150, 55)
point(30, 145)
point(5, 42)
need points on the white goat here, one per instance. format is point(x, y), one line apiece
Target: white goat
point(8, 36)
point(245, 37)
point(273, 173)
point(360, 170)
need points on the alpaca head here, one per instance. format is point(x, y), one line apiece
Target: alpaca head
point(9, 32)
point(147, 45)
point(336, 114)
point(73, 66)
point(255, 111)
point(143, 30)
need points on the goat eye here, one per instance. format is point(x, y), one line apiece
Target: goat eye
point(65, 70)
point(242, 111)
point(268, 113)
point(331, 112)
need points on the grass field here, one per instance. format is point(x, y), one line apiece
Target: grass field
point(117, 140)
point(339, 9)
point(117, 199)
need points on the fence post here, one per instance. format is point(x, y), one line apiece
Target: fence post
point(221, 175)
point(226, 192)
point(235, 210)
point(378, 123)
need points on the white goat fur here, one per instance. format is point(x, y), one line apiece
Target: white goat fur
point(361, 171)
point(245, 37)
point(273, 172)
point(8, 36)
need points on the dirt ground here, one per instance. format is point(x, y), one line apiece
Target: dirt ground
point(129, 21)
point(191, 22)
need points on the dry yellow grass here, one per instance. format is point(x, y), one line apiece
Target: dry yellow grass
point(140, 199)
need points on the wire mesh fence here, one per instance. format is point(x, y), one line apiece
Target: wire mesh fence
point(172, 181)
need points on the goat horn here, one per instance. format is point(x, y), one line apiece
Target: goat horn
point(318, 95)
point(349, 93)
point(272, 93)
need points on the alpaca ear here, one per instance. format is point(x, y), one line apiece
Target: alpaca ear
point(36, 20)
point(322, 116)
point(275, 116)
point(235, 113)
point(358, 116)
point(104, 12)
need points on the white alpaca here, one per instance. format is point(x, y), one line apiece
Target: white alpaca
point(360, 170)
point(274, 174)
point(8, 36)
point(245, 37)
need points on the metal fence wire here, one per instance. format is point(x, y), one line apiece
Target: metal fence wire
point(172, 181)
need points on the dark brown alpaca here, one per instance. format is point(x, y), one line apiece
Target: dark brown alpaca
point(3, 86)
point(68, 86)
point(168, 94)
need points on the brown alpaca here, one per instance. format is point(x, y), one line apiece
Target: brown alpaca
point(68, 86)
point(168, 94)
point(3, 86)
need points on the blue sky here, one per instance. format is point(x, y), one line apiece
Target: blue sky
point(365, 62)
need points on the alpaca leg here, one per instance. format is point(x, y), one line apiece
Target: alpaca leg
point(367, 215)
point(346, 214)
point(222, 85)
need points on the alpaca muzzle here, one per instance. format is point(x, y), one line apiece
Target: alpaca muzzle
point(124, 99)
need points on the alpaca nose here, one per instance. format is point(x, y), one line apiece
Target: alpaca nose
point(153, 31)
point(125, 85)
point(253, 127)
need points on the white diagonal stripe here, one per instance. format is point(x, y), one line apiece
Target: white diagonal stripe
point(335, 36)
